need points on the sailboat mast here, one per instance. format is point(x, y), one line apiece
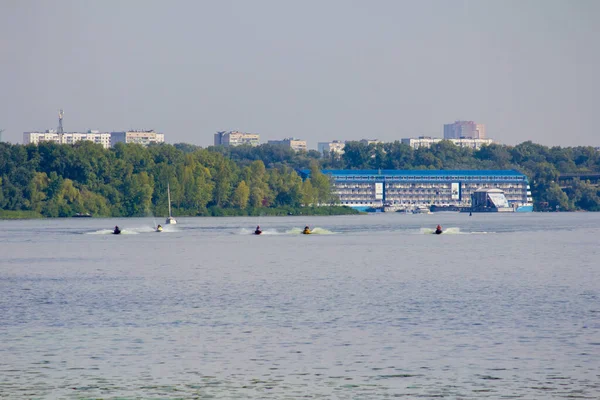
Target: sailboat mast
point(169, 196)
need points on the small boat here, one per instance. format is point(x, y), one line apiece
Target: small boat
point(170, 219)
point(446, 209)
point(80, 215)
point(421, 210)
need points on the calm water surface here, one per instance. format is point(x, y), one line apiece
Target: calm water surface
point(373, 306)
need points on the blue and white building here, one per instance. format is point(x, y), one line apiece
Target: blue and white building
point(412, 189)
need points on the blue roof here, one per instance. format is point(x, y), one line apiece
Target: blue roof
point(424, 175)
point(419, 172)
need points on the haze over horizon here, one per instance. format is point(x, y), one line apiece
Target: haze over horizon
point(317, 71)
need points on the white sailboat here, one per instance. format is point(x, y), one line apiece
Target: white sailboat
point(170, 219)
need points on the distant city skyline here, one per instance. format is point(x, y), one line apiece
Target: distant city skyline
point(317, 71)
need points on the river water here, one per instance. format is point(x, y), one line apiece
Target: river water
point(369, 307)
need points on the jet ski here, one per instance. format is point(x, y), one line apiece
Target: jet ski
point(306, 231)
point(257, 232)
point(117, 231)
point(438, 230)
point(159, 228)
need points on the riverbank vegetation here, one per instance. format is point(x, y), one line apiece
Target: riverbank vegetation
point(130, 180)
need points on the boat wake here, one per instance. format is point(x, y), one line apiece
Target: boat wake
point(165, 229)
point(245, 231)
point(446, 231)
point(110, 232)
point(313, 231)
point(452, 231)
point(135, 230)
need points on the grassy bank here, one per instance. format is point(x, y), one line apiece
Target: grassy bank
point(7, 214)
point(280, 211)
point(219, 212)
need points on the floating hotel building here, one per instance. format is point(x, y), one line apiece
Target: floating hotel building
point(412, 189)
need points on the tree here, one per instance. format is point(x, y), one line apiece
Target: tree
point(222, 189)
point(241, 195)
point(425, 159)
point(556, 198)
point(36, 191)
point(356, 155)
point(94, 203)
point(321, 185)
point(255, 174)
point(584, 195)
point(399, 156)
point(138, 194)
point(497, 155)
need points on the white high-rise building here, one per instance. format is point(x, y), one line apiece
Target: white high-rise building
point(236, 138)
point(421, 141)
point(106, 139)
point(295, 144)
point(337, 146)
point(370, 141)
point(143, 137)
point(102, 138)
point(426, 142)
point(464, 129)
point(37, 137)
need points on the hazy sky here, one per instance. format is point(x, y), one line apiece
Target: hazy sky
point(317, 70)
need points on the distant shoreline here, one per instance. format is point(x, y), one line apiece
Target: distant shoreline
point(225, 212)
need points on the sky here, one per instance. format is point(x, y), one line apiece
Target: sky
point(317, 70)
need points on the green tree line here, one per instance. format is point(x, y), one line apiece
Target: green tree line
point(131, 180)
